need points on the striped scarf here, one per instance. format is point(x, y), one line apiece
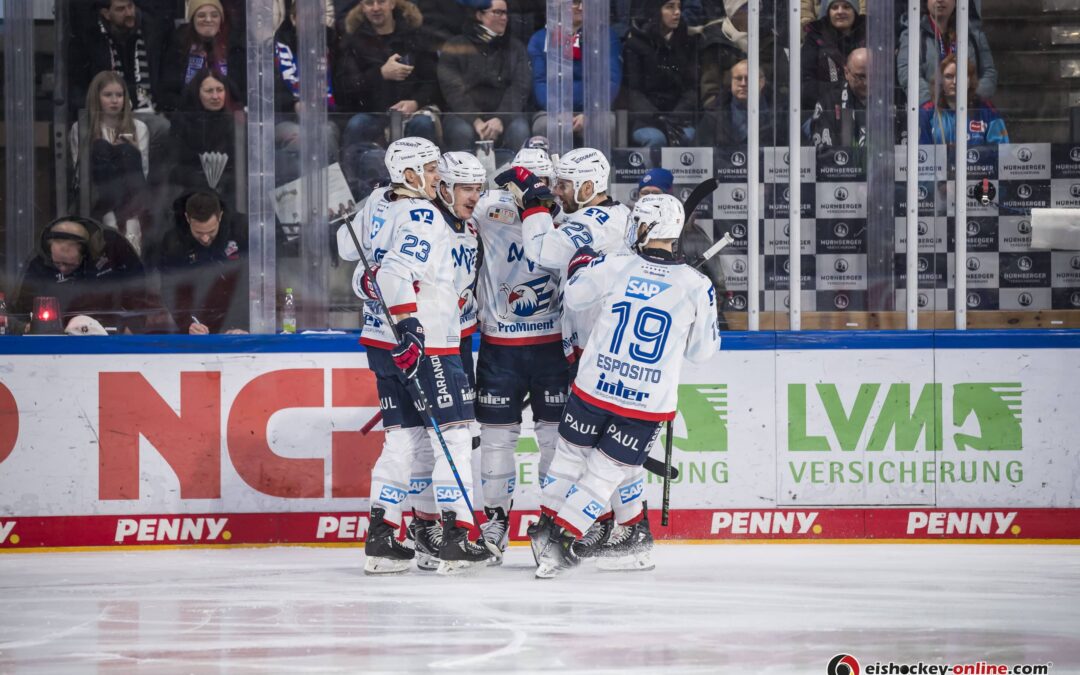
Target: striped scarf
point(142, 98)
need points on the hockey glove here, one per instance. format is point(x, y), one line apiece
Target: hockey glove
point(582, 258)
point(366, 283)
point(528, 190)
point(410, 349)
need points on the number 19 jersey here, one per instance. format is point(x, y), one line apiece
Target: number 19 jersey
point(651, 313)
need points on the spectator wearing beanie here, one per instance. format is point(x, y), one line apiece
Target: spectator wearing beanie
point(203, 43)
point(839, 29)
point(656, 181)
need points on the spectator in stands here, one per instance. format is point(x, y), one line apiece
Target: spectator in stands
point(655, 181)
point(282, 9)
point(811, 11)
point(383, 65)
point(91, 270)
point(724, 44)
point(287, 100)
point(661, 72)
point(118, 148)
point(119, 38)
point(937, 31)
point(202, 131)
point(838, 31)
point(538, 56)
point(203, 43)
point(840, 119)
point(485, 71)
point(203, 266)
point(937, 123)
point(726, 122)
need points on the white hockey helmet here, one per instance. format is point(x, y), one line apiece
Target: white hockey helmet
point(582, 165)
point(410, 153)
point(661, 215)
point(459, 168)
point(535, 160)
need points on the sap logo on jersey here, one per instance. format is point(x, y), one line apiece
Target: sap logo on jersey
point(447, 495)
point(645, 289)
point(172, 529)
point(631, 492)
point(593, 509)
point(526, 299)
point(418, 485)
point(392, 495)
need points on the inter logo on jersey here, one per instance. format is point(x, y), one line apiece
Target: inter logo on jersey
point(526, 299)
point(645, 289)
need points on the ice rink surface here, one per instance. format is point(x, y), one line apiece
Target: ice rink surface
point(777, 608)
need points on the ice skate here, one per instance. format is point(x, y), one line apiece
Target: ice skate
point(427, 537)
point(539, 534)
point(384, 553)
point(629, 549)
point(457, 552)
point(496, 532)
point(558, 555)
point(595, 537)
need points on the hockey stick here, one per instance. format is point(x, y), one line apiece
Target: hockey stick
point(413, 382)
point(670, 472)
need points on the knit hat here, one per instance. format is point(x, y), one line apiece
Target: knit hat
point(196, 5)
point(661, 178)
point(826, 4)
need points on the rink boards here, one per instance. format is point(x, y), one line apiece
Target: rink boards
point(811, 436)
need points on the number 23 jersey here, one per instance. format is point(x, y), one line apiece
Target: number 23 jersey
point(650, 314)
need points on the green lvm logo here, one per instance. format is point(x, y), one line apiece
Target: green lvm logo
point(985, 417)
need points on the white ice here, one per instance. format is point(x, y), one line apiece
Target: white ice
point(777, 608)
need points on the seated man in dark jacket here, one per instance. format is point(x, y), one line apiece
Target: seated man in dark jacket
point(839, 119)
point(485, 77)
point(203, 266)
point(727, 121)
point(90, 270)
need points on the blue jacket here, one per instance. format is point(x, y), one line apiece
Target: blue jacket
point(538, 58)
point(985, 126)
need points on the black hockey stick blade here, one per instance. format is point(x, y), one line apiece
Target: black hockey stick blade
point(656, 467)
point(700, 192)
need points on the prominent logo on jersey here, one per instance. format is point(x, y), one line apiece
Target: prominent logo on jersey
point(516, 254)
point(686, 159)
point(843, 664)
point(1025, 299)
point(1024, 191)
point(171, 529)
point(526, 299)
point(645, 289)
point(418, 485)
point(447, 495)
point(973, 228)
point(1024, 263)
point(495, 401)
point(631, 492)
point(967, 522)
point(502, 215)
point(973, 264)
point(841, 158)
point(593, 509)
point(443, 397)
point(464, 256)
point(392, 495)
point(620, 390)
point(738, 158)
point(764, 522)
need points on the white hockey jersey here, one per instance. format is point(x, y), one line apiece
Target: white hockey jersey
point(464, 254)
point(551, 244)
point(411, 241)
point(519, 300)
point(651, 314)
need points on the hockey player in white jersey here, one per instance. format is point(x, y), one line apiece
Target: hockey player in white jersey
point(520, 349)
point(409, 242)
point(653, 310)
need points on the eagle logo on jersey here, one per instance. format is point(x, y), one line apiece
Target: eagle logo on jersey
point(526, 299)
